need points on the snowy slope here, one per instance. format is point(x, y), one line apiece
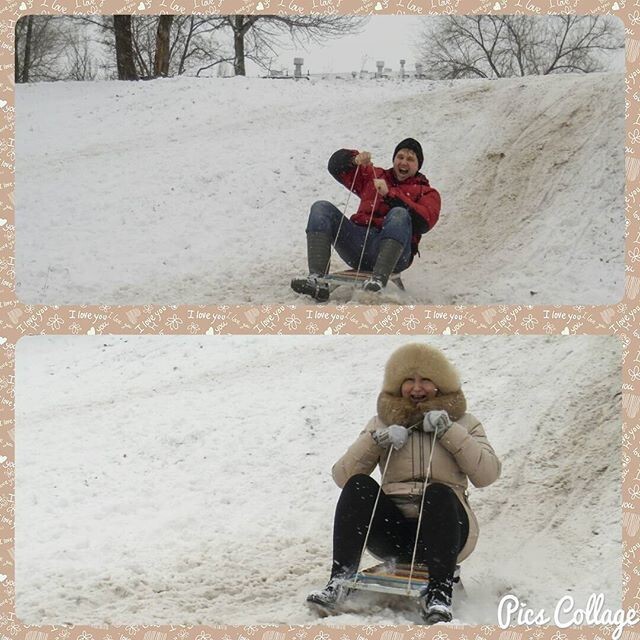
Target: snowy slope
point(188, 479)
point(198, 190)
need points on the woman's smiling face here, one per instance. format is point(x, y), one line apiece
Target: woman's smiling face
point(418, 389)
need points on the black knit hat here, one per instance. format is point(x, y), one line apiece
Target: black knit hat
point(412, 145)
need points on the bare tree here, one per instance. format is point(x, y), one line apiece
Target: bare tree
point(144, 39)
point(124, 48)
point(257, 37)
point(240, 25)
point(163, 46)
point(39, 48)
point(26, 66)
point(496, 46)
point(195, 43)
point(189, 42)
point(102, 36)
point(80, 62)
point(63, 47)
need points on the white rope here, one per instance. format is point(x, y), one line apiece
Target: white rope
point(375, 504)
point(373, 513)
point(424, 491)
point(364, 244)
point(344, 215)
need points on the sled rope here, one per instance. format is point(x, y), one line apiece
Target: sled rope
point(344, 215)
point(375, 506)
point(373, 513)
point(424, 491)
point(364, 244)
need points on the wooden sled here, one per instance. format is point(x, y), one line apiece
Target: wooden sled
point(384, 578)
point(352, 277)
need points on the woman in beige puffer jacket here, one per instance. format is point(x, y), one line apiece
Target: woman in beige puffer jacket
point(422, 416)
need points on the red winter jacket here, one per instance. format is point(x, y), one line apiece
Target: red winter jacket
point(415, 194)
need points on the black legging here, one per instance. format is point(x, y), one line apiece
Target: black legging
point(443, 530)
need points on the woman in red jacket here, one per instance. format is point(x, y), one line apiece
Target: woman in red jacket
point(397, 206)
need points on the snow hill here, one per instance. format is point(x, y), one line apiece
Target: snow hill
point(198, 190)
point(186, 479)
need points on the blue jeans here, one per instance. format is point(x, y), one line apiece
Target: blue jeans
point(325, 217)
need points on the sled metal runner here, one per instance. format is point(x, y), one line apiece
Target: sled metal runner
point(383, 578)
point(353, 277)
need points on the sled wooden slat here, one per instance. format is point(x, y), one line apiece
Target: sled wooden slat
point(394, 580)
point(351, 276)
point(382, 578)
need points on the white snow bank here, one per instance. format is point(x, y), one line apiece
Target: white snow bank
point(198, 190)
point(187, 479)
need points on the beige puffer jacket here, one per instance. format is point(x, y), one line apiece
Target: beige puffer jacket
point(463, 453)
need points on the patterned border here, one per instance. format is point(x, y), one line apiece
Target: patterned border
point(17, 320)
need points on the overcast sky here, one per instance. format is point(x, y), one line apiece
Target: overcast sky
point(387, 38)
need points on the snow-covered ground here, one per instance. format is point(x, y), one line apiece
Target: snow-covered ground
point(187, 479)
point(198, 190)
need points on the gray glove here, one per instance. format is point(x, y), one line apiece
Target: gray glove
point(437, 421)
point(395, 435)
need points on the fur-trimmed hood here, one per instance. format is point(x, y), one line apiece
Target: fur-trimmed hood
point(428, 362)
point(394, 409)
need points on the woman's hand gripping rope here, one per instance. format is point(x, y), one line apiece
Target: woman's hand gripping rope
point(396, 435)
point(436, 421)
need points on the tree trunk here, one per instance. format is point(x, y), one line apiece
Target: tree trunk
point(16, 55)
point(26, 63)
point(161, 62)
point(124, 48)
point(238, 46)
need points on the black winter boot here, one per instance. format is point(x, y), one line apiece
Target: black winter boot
point(311, 286)
point(318, 256)
point(327, 600)
point(435, 603)
point(388, 256)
